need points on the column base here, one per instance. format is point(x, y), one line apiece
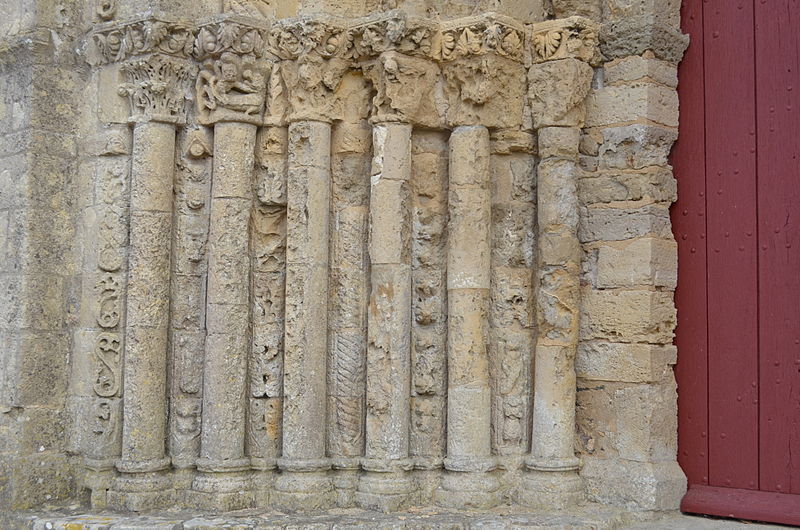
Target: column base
point(221, 486)
point(469, 484)
point(385, 486)
point(345, 481)
point(553, 489)
point(303, 485)
point(98, 478)
point(141, 492)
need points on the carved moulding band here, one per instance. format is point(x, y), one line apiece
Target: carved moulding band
point(392, 31)
point(152, 34)
point(480, 35)
point(573, 37)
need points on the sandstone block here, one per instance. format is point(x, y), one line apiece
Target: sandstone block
point(644, 261)
point(469, 243)
point(585, 8)
point(630, 363)
point(656, 184)
point(558, 249)
point(390, 222)
point(636, 146)
point(513, 178)
point(637, 486)
point(636, 68)
point(469, 157)
point(628, 316)
point(647, 422)
point(558, 196)
point(558, 90)
point(636, 34)
point(665, 11)
point(467, 337)
point(636, 101)
point(559, 142)
point(612, 224)
point(513, 234)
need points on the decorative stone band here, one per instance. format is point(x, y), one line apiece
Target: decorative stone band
point(239, 35)
point(293, 38)
point(573, 37)
point(481, 35)
point(393, 31)
point(153, 34)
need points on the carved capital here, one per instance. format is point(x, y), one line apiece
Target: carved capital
point(119, 42)
point(313, 64)
point(574, 37)
point(232, 84)
point(481, 35)
point(557, 92)
point(405, 89)
point(485, 89)
point(157, 87)
point(392, 31)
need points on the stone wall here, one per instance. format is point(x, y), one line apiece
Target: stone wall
point(313, 254)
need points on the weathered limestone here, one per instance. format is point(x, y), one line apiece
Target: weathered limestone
point(351, 273)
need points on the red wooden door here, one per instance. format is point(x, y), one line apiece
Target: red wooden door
point(737, 221)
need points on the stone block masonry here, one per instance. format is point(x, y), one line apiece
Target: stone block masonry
point(309, 255)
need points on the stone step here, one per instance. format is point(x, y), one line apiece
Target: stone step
point(584, 518)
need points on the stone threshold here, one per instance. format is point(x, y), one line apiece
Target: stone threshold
point(587, 517)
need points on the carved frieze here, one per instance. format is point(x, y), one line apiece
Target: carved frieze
point(108, 351)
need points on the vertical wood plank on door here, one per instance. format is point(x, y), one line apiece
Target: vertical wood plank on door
point(689, 225)
point(778, 110)
point(732, 243)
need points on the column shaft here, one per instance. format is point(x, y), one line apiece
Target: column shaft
point(468, 283)
point(303, 483)
point(145, 372)
point(141, 486)
point(228, 297)
point(552, 479)
point(223, 483)
point(389, 325)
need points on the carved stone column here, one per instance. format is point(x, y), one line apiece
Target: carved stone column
point(559, 81)
point(231, 90)
point(156, 85)
point(311, 71)
point(482, 57)
point(403, 85)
